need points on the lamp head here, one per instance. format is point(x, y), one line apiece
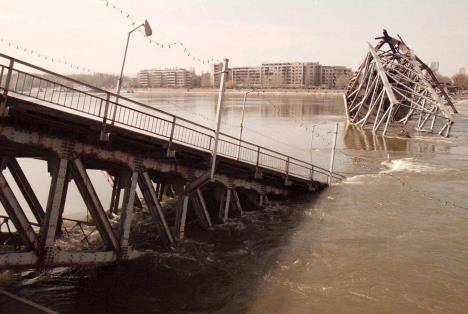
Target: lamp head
point(148, 30)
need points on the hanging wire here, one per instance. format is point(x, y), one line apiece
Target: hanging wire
point(176, 43)
point(43, 56)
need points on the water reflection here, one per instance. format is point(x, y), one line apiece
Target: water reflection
point(358, 138)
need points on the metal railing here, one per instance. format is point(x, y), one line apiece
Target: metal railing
point(65, 93)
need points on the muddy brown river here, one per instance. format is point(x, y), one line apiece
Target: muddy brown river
point(391, 238)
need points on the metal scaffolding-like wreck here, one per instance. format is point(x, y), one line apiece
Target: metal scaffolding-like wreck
point(393, 86)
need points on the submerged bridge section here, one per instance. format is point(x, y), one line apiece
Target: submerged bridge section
point(75, 127)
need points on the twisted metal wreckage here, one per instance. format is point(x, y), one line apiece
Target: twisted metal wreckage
point(393, 86)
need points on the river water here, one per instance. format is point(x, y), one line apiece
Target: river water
point(391, 238)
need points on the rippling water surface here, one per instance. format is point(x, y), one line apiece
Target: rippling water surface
point(392, 238)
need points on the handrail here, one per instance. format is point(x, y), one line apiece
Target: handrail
point(277, 158)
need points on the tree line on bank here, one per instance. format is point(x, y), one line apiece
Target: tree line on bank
point(460, 81)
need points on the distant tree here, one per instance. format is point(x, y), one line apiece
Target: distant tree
point(246, 82)
point(130, 82)
point(342, 82)
point(460, 81)
point(231, 84)
point(205, 80)
point(276, 81)
point(443, 79)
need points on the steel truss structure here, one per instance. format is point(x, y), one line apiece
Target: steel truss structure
point(393, 86)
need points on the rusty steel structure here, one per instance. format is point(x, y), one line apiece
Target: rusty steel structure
point(75, 127)
point(394, 87)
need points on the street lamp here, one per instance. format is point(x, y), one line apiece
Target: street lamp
point(242, 123)
point(148, 32)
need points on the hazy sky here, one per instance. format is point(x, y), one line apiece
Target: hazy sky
point(248, 32)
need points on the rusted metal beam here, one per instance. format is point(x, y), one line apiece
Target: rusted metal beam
point(206, 214)
point(17, 216)
point(57, 192)
point(126, 215)
point(181, 217)
point(154, 206)
point(90, 197)
point(199, 212)
point(224, 209)
point(237, 206)
point(26, 189)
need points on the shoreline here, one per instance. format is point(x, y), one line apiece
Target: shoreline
point(238, 92)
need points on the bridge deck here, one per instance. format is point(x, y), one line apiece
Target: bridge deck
point(45, 91)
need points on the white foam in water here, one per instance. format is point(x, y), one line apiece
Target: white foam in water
point(397, 165)
point(407, 165)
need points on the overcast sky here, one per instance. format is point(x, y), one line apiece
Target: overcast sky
point(248, 32)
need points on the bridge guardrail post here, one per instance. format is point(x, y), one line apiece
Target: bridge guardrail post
point(258, 156)
point(258, 173)
point(104, 136)
point(169, 152)
point(286, 180)
point(3, 106)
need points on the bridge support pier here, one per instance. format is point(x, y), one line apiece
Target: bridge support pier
point(181, 217)
point(57, 193)
point(127, 214)
point(154, 206)
point(225, 205)
point(89, 195)
point(198, 204)
point(237, 206)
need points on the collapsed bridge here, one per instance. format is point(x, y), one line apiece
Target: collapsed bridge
point(394, 87)
point(75, 127)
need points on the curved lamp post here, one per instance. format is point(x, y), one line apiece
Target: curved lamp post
point(242, 123)
point(148, 32)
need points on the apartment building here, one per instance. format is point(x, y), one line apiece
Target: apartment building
point(246, 76)
point(173, 78)
point(329, 74)
point(215, 74)
point(283, 75)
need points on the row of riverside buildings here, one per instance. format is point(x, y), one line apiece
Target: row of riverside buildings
point(174, 78)
point(303, 75)
point(299, 75)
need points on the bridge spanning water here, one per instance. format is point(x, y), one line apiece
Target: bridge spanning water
point(76, 127)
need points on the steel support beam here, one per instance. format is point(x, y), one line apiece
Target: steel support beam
point(236, 203)
point(26, 189)
point(17, 216)
point(90, 197)
point(127, 215)
point(57, 192)
point(206, 214)
point(18, 259)
point(199, 212)
point(115, 197)
point(224, 213)
point(181, 217)
point(154, 206)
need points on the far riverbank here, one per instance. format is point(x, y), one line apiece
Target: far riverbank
point(214, 91)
